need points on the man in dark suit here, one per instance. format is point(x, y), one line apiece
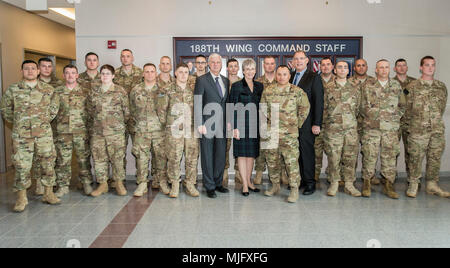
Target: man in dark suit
point(311, 83)
point(211, 91)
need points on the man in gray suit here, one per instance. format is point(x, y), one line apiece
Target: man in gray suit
point(211, 94)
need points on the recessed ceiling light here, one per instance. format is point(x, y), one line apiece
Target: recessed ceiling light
point(67, 12)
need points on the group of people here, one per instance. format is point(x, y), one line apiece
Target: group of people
point(284, 120)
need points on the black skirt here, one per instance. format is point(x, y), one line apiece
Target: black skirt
point(246, 147)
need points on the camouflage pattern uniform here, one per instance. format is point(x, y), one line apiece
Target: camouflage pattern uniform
point(30, 111)
point(86, 81)
point(146, 106)
point(108, 115)
point(381, 110)
point(72, 135)
point(425, 109)
point(403, 132)
point(341, 107)
point(293, 111)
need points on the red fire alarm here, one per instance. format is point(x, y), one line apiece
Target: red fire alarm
point(112, 44)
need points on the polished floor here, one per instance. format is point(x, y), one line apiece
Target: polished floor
point(231, 220)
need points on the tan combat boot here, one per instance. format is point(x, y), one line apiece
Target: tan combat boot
point(101, 189)
point(225, 178)
point(434, 189)
point(87, 188)
point(21, 202)
point(120, 188)
point(284, 178)
point(274, 190)
point(375, 180)
point(164, 187)
point(63, 190)
point(367, 188)
point(333, 189)
point(39, 188)
point(293, 195)
point(191, 190)
point(141, 189)
point(351, 190)
point(155, 183)
point(175, 189)
point(49, 197)
point(388, 189)
point(258, 178)
point(412, 189)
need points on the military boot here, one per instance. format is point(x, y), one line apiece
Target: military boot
point(120, 188)
point(101, 189)
point(293, 195)
point(258, 178)
point(63, 190)
point(164, 187)
point(49, 197)
point(39, 188)
point(155, 183)
point(175, 189)
point(87, 188)
point(237, 178)
point(412, 189)
point(351, 190)
point(434, 189)
point(333, 189)
point(141, 189)
point(21, 202)
point(225, 178)
point(388, 189)
point(375, 180)
point(191, 190)
point(274, 190)
point(367, 188)
point(284, 178)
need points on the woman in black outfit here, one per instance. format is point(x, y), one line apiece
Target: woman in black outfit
point(245, 95)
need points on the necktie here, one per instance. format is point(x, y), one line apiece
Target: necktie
point(219, 88)
point(297, 75)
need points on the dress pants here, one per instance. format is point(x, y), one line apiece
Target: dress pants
point(307, 156)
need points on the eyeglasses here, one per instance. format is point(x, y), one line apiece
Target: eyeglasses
point(201, 62)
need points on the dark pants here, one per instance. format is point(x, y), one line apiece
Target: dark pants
point(307, 160)
point(213, 153)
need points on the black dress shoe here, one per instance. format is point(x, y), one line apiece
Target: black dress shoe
point(245, 193)
point(222, 189)
point(309, 189)
point(256, 190)
point(211, 194)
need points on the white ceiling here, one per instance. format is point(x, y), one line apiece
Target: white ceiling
point(51, 15)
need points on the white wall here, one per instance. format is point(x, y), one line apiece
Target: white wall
point(402, 28)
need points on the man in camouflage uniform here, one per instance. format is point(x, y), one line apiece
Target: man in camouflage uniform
point(91, 76)
point(147, 101)
point(426, 103)
point(108, 110)
point(71, 133)
point(293, 107)
point(382, 106)
point(200, 66)
point(326, 73)
point(401, 68)
point(341, 107)
point(180, 137)
point(46, 75)
point(29, 106)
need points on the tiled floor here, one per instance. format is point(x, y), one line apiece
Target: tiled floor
point(230, 220)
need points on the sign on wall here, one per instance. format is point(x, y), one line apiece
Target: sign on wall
point(282, 48)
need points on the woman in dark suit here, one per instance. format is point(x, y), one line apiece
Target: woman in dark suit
point(245, 95)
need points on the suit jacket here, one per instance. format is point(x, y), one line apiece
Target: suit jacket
point(206, 93)
point(311, 83)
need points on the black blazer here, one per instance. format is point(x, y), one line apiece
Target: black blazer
point(241, 93)
point(205, 93)
point(311, 83)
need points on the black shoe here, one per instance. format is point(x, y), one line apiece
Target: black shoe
point(256, 190)
point(211, 194)
point(309, 189)
point(222, 189)
point(245, 193)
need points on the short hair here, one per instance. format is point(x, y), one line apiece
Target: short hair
point(339, 61)
point(326, 58)
point(248, 63)
point(200, 56)
point(283, 66)
point(232, 60)
point(382, 60)
point(70, 66)
point(90, 54)
point(45, 60)
point(28, 62)
point(422, 61)
point(149, 64)
point(181, 65)
point(166, 57)
point(126, 50)
point(108, 67)
point(214, 55)
point(362, 60)
point(301, 51)
point(399, 60)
